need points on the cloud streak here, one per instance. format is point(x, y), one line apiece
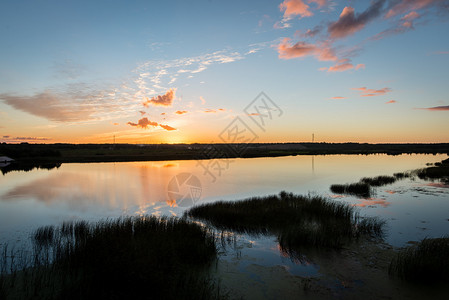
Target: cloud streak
point(365, 92)
point(288, 50)
point(404, 6)
point(168, 128)
point(59, 108)
point(437, 108)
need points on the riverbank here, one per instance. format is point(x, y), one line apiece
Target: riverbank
point(79, 153)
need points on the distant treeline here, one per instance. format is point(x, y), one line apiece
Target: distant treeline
point(59, 153)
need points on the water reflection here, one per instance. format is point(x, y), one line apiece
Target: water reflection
point(50, 194)
point(7, 167)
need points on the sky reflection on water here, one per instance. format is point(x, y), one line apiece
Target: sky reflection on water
point(414, 209)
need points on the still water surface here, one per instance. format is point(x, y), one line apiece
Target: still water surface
point(413, 209)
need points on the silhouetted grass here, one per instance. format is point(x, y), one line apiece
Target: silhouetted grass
point(364, 187)
point(150, 257)
point(296, 220)
point(402, 175)
point(358, 189)
point(427, 262)
point(44, 235)
point(378, 180)
point(439, 171)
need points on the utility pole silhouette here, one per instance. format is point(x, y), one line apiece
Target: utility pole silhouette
point(313, 137)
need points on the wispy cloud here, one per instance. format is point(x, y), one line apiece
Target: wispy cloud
point(209, 110)
point(404, 6)
point(365, 92)
point(71, 106)
point(338, 97)
point(154, 77)
point(343, 65)
point(440, 52)
point(21, 139)
point(391, 102)
point(288, 50)
point(437, 108)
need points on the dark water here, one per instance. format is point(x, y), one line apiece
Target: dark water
point(413, 209)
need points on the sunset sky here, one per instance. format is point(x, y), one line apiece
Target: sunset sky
point(183, 71)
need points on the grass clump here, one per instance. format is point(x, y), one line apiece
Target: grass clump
point(439, 171)
point(426, 262)
point(158, 258)
point(297, 221)
point(364, 187)
point(378, 180)
point(360, 189)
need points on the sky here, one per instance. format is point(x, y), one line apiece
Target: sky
point(211, 71)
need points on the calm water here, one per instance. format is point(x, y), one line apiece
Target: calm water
point(413, 209)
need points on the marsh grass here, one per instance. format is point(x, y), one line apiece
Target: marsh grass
point(357, 189)
point(438, 171)
point(150, 257)
point(426, 262)
point(365, 187)
point(378, 180)
point(297, 221)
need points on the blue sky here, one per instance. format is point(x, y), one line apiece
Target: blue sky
point(181, 71)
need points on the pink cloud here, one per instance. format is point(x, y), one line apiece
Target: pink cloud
point(365, 92)
point(342, 65)
point(338, 97)
point(293, 8)
point(409, 18)
point(405, 6)
point(166, 127)
point(161, 100)
point(163, 114)
point(391, 101)
point(143, 123)
point(349, 23)
point(287, 50)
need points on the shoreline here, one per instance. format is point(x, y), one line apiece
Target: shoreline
point(87, 153)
